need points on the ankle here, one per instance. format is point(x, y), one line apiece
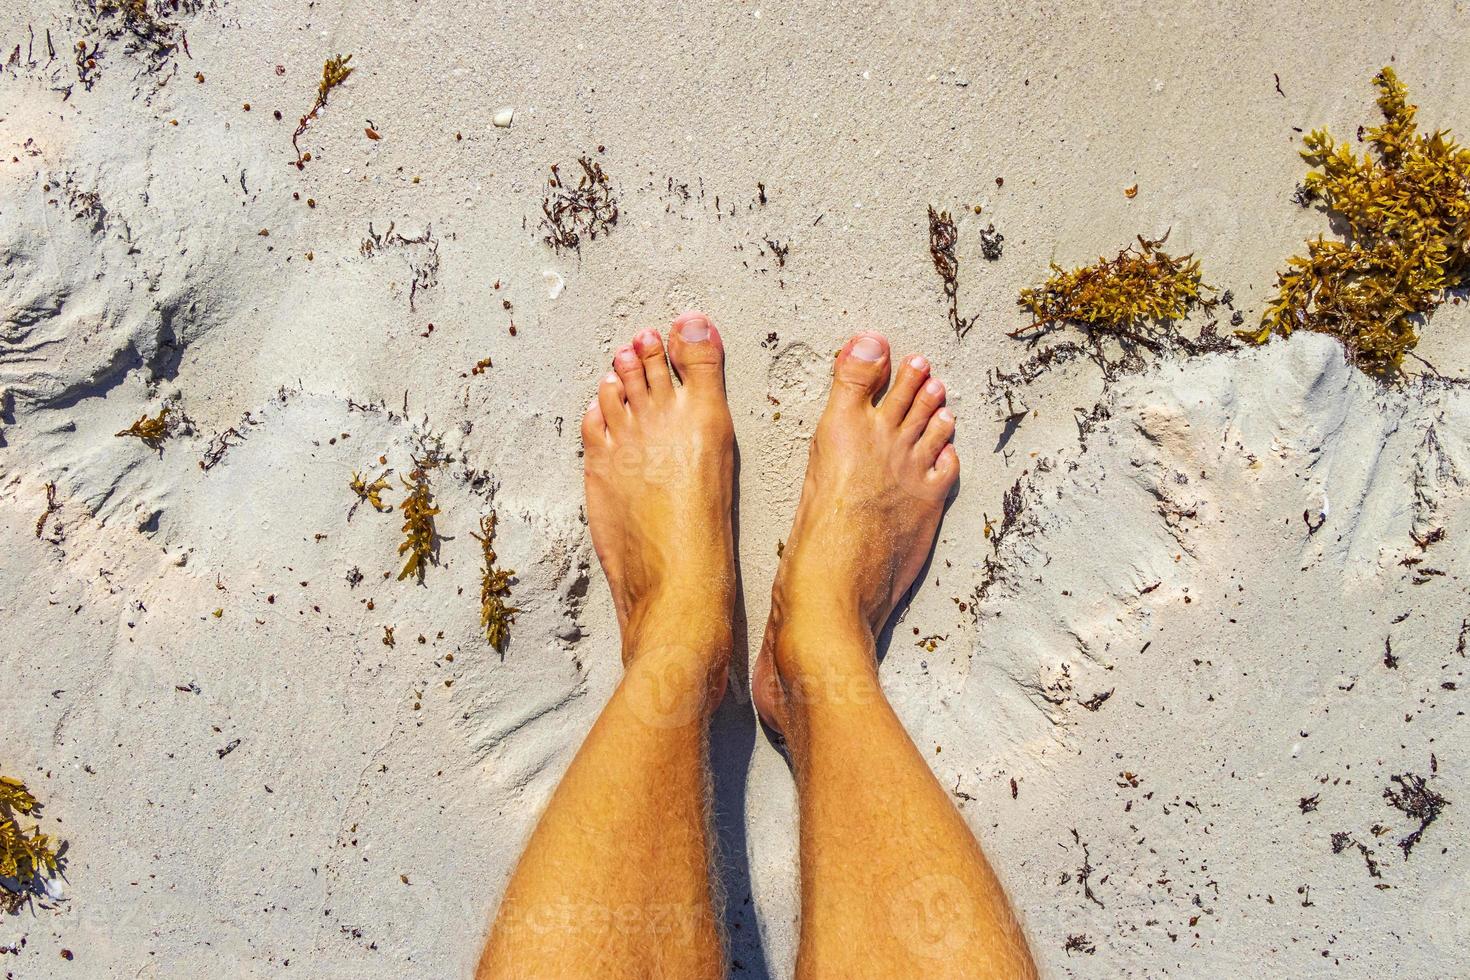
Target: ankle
point(824, 657)
point(810, 688)
point(692, 629)
point(819, 624)
point(675, 664)
point(822, 593)
point(674, 686)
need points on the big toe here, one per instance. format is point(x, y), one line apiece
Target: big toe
point(861, 370)
point(697, 352)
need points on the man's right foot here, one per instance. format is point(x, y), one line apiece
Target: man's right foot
point(875, 488)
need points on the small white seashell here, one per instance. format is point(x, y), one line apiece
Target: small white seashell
point(55, 890)
point(554, 283)
point(504, 117)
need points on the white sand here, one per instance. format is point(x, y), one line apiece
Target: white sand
point(377, 797)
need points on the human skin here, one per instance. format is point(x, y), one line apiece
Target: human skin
point(616, 879)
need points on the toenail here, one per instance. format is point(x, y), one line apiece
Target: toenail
point(611, 379)
point(867, 349)
point(694, 329)
point(918, 362)
point(645, 338)
point(933, 388)
point(626, 357)
point(944, 415)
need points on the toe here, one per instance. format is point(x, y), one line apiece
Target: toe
point(926, 402)
point(594, 426)
point(936, 435)
point(630, 369)
point(861, 370)
point(650, 350)
point(612, 402)
point(946, 468)
point(697, 352)
point(911, 377)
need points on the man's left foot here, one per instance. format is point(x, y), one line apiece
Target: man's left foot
point(660, 461)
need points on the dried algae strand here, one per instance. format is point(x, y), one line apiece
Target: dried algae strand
point(419, 535)
point(943, 239)
point(1407, 237)
point(144, 29)
point(334, 73)
point(1138, 298)
point(1415, 799)
point(569, 212)
point(51, 507)
point(943, 236)
point(25, 856)
point(495, 616)
point(369, 491)
point(151, 431)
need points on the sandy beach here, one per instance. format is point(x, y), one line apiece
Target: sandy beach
point(1190, 627)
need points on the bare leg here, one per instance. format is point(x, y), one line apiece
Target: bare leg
point(893, 884)
point(615, 881)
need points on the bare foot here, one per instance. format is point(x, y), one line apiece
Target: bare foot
point(875, 489)
point(660, 458)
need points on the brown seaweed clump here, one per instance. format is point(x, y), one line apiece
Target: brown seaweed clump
point(569, 211)
point(419, 535)
point(369, 491)
point(148, 31)
point(1415, 799)
point(1136, 299)
point(151, 431)
point(25, 856)
point(1124, 295)
point(1406, 218)
point(495, 616)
